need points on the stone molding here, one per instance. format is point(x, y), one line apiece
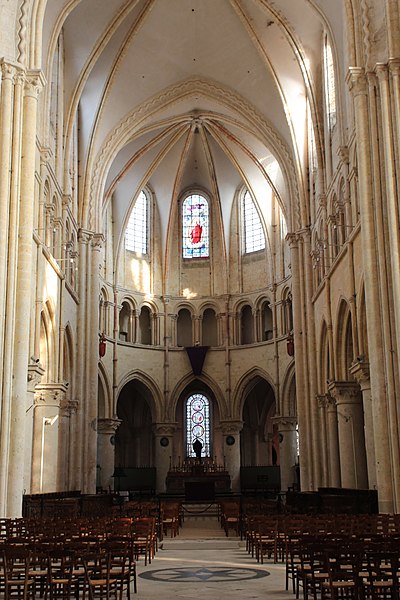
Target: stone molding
point(108, 426)
point(345, 392)
point(50, 394)
point(231, 427)
point(167, 429)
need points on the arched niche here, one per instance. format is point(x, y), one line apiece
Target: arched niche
point(258, 446)
point(134, 437)
point(209, 328)
point(184, 328)
point(215, 450)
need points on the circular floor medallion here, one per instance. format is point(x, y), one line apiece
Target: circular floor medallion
point(212, 574)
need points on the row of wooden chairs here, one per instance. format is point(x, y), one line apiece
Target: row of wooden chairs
point(66, 572)
point(119, 542)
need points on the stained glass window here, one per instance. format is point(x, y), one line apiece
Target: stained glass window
point(195, 227)
point(136, 230)
point(198, 424)
point(330, 87)
point(254, 238)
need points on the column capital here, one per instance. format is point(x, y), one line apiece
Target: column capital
point(9, 69)
point(34, 82)
point(360, 370)
point(345, 392)
point(50, 394)
point(97, 241)
point(231, 427)
point(285, 423)
point(84, 236)
point(35, 374)
point(382, 71)
point(394, 66)
point(164, 429)
point(357, 81)
point(108, 426)
point(325, 400)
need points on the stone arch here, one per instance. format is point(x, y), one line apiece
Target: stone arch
point(344, 352)
point(265, 319)
point(288, 404)
point(203, 380)
point(258, 442)
point(197, 385)
point(69, 361)
point(362, 324)
point(209, 326)
point(155, 395)
point(324, 364)
point(48, 349)
point(242, 386)
point(137, 121)
point(125, 321)
point(134, 444)
point(184, 325)
point(105, 408)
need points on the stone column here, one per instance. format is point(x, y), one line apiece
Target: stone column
point(350, 418)
point(163, 452)
point(33, 85)
point(45, 447)
point(91, 367)
point(301, 378)
point(35, 374)
point(360, 370)
point(231, 435)
point(287, 450)
point(358, 86)
point(106, 429)
point(6, 105)
point(333, 455)
point(77, 431)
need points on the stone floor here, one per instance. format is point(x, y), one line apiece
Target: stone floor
point(203, 563)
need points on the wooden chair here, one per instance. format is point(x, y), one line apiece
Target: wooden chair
point(99, 582)
point(15, 566)
point(60, 573)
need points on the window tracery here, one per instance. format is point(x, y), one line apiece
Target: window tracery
point(195, 227)
point(198, 424)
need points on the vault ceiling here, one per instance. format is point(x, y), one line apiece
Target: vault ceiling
point(181, 93)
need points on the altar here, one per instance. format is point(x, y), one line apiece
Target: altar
point(198, 480)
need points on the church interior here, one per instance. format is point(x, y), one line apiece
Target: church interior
point(199, 247)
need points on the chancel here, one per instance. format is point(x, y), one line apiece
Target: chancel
point(199, 245)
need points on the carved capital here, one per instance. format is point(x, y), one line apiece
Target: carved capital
point(360, 370)
point(357, 81)
point(84, 236)
point(231, 427)
point(35, 374)
point(164, 429)
point(34, 83)
point(97, 241)
point(50, 394)
point(8, 70)
point(345, 392)
point(285, 423)
point(108, 426)
point(394, 66)
point(382, 72)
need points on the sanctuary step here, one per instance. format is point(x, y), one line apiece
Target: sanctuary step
point(200, 511)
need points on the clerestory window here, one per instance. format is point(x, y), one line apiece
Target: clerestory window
point(195, 227)
point(330, 85)
point(136, 235)
point(254, 238)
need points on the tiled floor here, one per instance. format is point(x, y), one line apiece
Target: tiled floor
point(202, 564)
